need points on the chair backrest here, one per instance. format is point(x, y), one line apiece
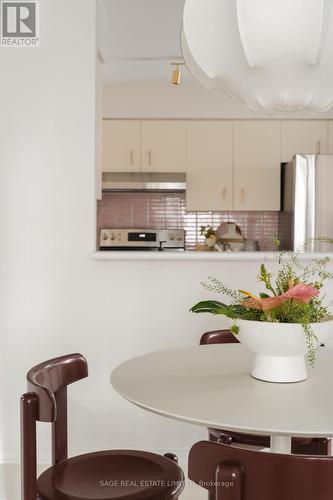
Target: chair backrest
point(52, 376)
point(218, 337)
point(46, 401)
point(232, 473)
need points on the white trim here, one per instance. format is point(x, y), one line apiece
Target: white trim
point(198, 256)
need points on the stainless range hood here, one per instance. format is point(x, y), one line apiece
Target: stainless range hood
point(140, 181)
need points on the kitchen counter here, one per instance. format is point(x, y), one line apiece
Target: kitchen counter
point(197, 256)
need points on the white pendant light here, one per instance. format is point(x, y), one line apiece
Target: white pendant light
point(274, 55)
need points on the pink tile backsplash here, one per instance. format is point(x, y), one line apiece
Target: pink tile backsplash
point(167, 210)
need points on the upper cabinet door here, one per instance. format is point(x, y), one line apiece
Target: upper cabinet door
point(257, 165)
point(209, 178)
point(98, 129)
point(163, 146)
point(121, 145)
point(302, 137)
point(330, 137)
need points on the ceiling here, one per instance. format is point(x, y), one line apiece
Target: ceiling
point(138, 40)
point(141, 38)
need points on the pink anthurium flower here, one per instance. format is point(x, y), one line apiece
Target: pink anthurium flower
point(302, 293)
point(299, 293)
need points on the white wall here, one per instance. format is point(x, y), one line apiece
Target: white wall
point(47, 197)
point(161, 99)
point(54, 298)
point(164, 100)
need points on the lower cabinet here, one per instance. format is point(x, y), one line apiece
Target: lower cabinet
point(257, 167)
point(209, 179)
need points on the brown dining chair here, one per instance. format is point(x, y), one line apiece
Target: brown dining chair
point(306, 446)
point(104, 475)
point(230, 473)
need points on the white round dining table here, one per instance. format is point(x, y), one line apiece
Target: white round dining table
point(211, 386)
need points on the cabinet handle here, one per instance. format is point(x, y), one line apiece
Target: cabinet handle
point(132, 157)
point(242, 195)
point(224, 194)
point(149, 158)
point(318, 147)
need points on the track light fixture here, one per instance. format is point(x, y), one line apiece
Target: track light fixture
point(177, 74)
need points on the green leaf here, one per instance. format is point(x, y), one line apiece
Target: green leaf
point(263, 295)
point(212, 307)
point(235, 329)
point(265, 277)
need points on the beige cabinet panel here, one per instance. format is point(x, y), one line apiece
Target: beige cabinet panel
point(98, 129)
point(330, 137)
point(163, 146)
point(209, 177)
point(121, 145)
point(257, 165)
point(302, 137)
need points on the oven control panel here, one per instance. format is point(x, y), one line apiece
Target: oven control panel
point(145, 238)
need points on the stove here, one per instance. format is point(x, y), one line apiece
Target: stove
point(142, 239)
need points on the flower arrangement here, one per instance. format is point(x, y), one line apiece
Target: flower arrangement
point(210, 235)
point(291, 296)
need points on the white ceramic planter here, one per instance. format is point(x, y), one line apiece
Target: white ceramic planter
point(280, 348)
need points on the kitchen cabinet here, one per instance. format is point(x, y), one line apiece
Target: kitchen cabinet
point(304, 137)
point(209, 179)
point(330, 137)
point(230, 165)
point(257, 165)
point(163, 146)
point(121, 145)
point(98, 128)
